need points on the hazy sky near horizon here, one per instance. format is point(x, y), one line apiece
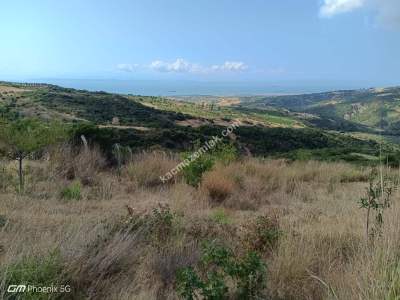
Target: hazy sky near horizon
point(216, 40)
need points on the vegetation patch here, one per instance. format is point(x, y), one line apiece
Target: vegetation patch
point(72, 192)
point(218, 265)
point(36, 271)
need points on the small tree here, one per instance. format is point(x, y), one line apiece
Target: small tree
point(377, 198)
point(26, 136)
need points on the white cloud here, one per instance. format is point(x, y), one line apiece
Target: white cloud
point(387, 12)
point(334, 7)
point(232, 66)
point(178, 66)
point(127, 67)
point(183, 66)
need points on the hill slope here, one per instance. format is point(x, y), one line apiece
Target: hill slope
point(146, 122)
point(368, 110)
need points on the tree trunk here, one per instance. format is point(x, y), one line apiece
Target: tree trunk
point(21, 178)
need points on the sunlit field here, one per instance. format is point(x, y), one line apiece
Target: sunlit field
point(120, 233)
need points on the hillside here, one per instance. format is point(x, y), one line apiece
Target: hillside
point(141, 122)
point(367, 110)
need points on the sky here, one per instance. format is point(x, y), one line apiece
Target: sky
point(205, 40)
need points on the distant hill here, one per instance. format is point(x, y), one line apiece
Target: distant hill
point(280, 125)
point(364, 110)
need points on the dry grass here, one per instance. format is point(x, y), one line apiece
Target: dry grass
point(83, 164)
point(321, 251)
point(145, 169)
point(218, 185)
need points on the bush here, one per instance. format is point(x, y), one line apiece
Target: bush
point(72, 192)
point(224, 153)
point(262, 234)
point(194, 171)
point(218, 187)
point(218, 265)
point(157, 225)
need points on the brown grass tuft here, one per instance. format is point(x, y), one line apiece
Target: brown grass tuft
point(83, 164)
point(218, 185)
point(145, 169)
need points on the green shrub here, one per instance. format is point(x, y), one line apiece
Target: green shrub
point(194, 171)
point(36, 271)
point(218, 265)
point(72, 192)
point(224, 153)
point(158, 226)
point(162, 223)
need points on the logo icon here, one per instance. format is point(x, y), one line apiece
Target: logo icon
point(13, 288)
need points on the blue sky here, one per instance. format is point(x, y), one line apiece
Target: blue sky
point(215, 40)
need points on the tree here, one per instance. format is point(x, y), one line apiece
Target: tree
point(26, 136)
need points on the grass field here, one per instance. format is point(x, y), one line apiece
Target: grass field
point(122, 234)
point(280, 209)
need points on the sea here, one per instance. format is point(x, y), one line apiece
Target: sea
point(201, 88)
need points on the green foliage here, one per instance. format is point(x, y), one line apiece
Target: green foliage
point(188, 282)
point(219, 216)
point(25, 136)
point(250, 276)
point(101, 107)
point(218, 265)
point(72, 191)
point(161, 222)
point(223, 152)
point(158, 226)
point(36, 271)
point(194, 171)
